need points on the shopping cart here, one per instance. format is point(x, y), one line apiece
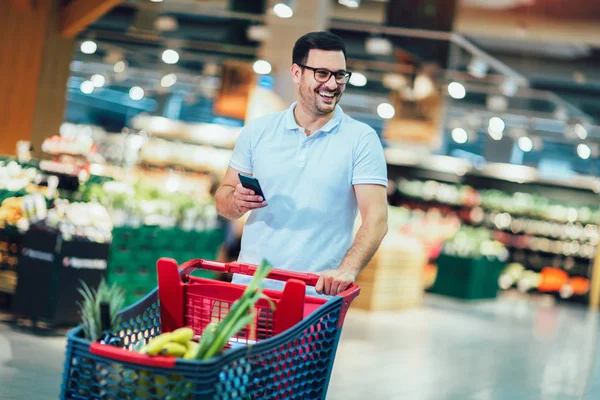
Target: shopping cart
point(287, 353)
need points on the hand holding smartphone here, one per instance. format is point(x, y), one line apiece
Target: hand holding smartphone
point(250, 182)
point(248, 194)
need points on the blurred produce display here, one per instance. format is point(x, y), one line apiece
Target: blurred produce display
point(473, 242)
point(146, 203)
point(519, 204)
point(141, 215)
point(537, 236)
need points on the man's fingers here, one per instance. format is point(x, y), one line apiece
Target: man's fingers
point(335, 288)
point(246, 197)
point(327, 285)
point(319, 285)
point(250, 205)
point(240, 189)
point(342, 285)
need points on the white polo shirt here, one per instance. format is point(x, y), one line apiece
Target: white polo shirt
point(308, 224)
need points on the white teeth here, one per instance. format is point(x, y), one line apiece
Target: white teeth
point(330, 95)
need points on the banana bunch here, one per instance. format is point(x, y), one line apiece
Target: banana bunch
point(178, 343)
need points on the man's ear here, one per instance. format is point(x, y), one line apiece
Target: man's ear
point(296, 73)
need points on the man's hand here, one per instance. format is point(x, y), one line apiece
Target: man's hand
point(335, 281)
point(245, 200)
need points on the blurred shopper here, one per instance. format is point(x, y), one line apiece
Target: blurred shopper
point(317, 167)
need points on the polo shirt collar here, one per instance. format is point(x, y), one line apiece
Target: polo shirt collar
point(290, 120)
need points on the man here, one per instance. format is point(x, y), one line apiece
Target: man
point(316, 166)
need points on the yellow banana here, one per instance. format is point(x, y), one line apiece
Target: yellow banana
point(192, 350)
point(156, 345)
point(173, 349)
point(183, 335)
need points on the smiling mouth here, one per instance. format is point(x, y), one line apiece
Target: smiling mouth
point(327, 95)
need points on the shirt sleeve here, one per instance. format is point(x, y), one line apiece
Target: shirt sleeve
point(369, 162)
point(241, 159)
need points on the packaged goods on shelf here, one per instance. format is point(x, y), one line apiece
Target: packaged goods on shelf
point(193, 133)
point(163, 153)
point(79, 145)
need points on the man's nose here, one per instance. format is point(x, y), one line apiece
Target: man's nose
point(331, 84)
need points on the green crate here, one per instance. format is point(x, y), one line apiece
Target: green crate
point(146, 280)
point(467, 278)
point(121, 280)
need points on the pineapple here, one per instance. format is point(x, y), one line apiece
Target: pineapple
point(89, 308)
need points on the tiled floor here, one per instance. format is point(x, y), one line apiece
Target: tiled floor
point(507, 349)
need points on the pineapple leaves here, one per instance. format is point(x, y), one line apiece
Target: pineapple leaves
point(89, 307)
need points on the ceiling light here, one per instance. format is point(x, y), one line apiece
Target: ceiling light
point(478, 68)
point(350, 3)
point(379, 46)
point(357, 79)
point(459, 135)
point(497, 103)
point(423, 87)
point(89, 47)
point(120, 67)
point(284, 9)
point(394, 81)
point(262, 67)
point(87, 87)
point(456, 90)
point(497, 124)
point(580, 131)
point(561, 114)
point(210, 69)
point(386, 111)
point(166, 23)
point(258, 33)
point(156, 1)
point(525, 144)
point(170, 56)
point(496, 135)
point(509, 87)
point(584, 151)
point(98, 80)
point(136, 93)
point(168, 80)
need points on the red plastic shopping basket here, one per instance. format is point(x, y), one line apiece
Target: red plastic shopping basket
point(285, 354)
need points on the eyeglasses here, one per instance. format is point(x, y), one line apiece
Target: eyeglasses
point(322, 74)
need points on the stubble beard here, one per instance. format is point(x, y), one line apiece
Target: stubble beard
point(310, 100)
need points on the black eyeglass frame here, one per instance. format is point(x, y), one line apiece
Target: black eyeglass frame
point(347, 74)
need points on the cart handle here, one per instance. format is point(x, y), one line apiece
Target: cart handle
point(278, 274)
point(245, 269)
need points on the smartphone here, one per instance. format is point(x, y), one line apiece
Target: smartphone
point(251, 183)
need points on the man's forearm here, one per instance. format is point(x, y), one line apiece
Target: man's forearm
point(367, 241)
point(225, 204)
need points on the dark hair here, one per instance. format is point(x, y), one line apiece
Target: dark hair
point(316, 40)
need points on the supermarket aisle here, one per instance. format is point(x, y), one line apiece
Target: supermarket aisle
point(508, 349)
point(30, 366)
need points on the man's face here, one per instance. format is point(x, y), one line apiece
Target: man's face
point(317, 97)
